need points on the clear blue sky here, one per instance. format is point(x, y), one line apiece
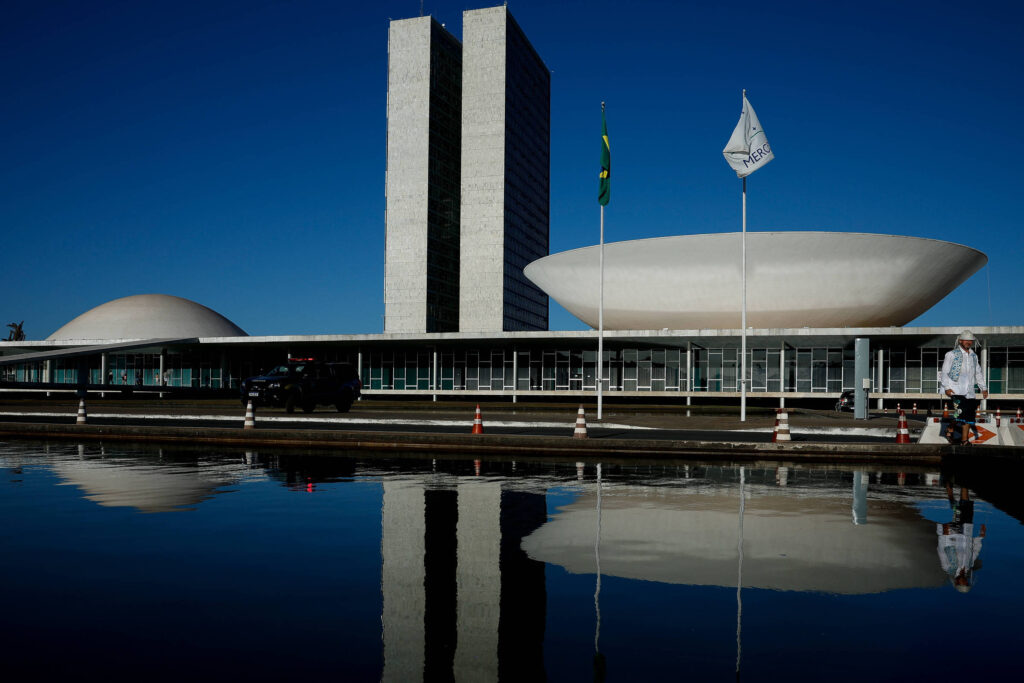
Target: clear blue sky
point(233, 152)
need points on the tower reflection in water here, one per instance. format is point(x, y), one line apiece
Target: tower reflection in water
point(460, 597)
point(466, 590)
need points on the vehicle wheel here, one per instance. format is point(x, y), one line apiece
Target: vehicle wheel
point(344, 403)
point(289, 403)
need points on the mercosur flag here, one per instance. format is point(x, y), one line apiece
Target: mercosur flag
point(604, 191)
point(748, 148)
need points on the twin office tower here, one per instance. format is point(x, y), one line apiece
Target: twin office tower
point(468, 164)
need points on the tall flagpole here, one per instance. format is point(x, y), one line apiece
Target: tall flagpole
point(600, 325)
point(743, 307)
point(600, 315)
point(743, 314)
point(746, 151)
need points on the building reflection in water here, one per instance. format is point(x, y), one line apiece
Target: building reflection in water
point(794, 539)
point(461, 600)
point(463, 558)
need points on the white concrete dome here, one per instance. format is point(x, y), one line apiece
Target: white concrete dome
point(794, 279)
point(148, 316)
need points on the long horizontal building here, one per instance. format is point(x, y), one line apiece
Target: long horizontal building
point(669, 365)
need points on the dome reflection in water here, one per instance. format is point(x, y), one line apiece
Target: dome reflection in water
point(275, 565)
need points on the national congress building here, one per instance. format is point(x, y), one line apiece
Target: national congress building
point(468, 274)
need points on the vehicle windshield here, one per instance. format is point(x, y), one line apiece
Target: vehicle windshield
point(286, 370)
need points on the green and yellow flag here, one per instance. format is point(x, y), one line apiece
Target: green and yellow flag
point(605, 191)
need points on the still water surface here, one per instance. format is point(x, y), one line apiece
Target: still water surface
point(138, 563)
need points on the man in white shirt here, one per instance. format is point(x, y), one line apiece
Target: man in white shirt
point(961, 371)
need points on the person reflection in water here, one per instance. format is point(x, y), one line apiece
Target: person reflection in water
point(958, 546)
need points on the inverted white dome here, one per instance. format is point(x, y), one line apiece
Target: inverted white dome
point(148, 316)
point(794, 279)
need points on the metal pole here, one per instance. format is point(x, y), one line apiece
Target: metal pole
point(743, 315)
point(600, 326)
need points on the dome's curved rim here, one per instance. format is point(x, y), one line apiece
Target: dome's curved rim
point(763, 232)
point(145, 316)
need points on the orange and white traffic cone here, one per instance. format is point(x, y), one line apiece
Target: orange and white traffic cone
point(478, 424)
point(782, 432)
point(902, 433)
point(898, 409)
point(945, 411)
point(998, 417)
point(81, 419)
point(250, 417)
point(581, 425)
point(1018, 415)
point(476, 467)
point(914, 409)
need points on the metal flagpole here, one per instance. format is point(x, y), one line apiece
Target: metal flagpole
point(600, 326)
point(743, 315)
point(743, 306)
point(600, 316)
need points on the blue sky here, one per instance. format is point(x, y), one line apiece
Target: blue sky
point(233, 152)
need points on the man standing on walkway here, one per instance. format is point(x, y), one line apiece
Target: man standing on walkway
point(961, 371)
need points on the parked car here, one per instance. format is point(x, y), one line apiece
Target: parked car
point(845, 401)
point(304, 383)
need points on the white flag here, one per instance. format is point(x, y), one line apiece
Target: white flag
point(748, 148)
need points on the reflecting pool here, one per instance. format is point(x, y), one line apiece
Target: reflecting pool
point(140, 563)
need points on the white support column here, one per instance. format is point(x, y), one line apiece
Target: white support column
point(46, 373)
point(515, 373)
point(163, 364)
point(359, 368)
point(880, 378)
point(103, 373)
point(689, 373)
point(984, 364)
point(782, 375)
point(433, 376)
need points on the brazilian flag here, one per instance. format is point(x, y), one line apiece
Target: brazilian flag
point(605, 191)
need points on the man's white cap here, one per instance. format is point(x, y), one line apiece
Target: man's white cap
point(966, 335)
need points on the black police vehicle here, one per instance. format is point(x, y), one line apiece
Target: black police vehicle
point(304, 383)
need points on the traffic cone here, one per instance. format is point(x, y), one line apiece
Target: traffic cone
point(81, 419)
point(476, 467)
point(898, 409)
point(250, 417)
point(945, 411)
point(914, 409)
point(581, 425)
point(1018, 415)
point(902, 433)
point(782, 431)
point(775, 430)
point(478, 425)
point(998, 417)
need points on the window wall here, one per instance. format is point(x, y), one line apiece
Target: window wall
point(538, 367)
